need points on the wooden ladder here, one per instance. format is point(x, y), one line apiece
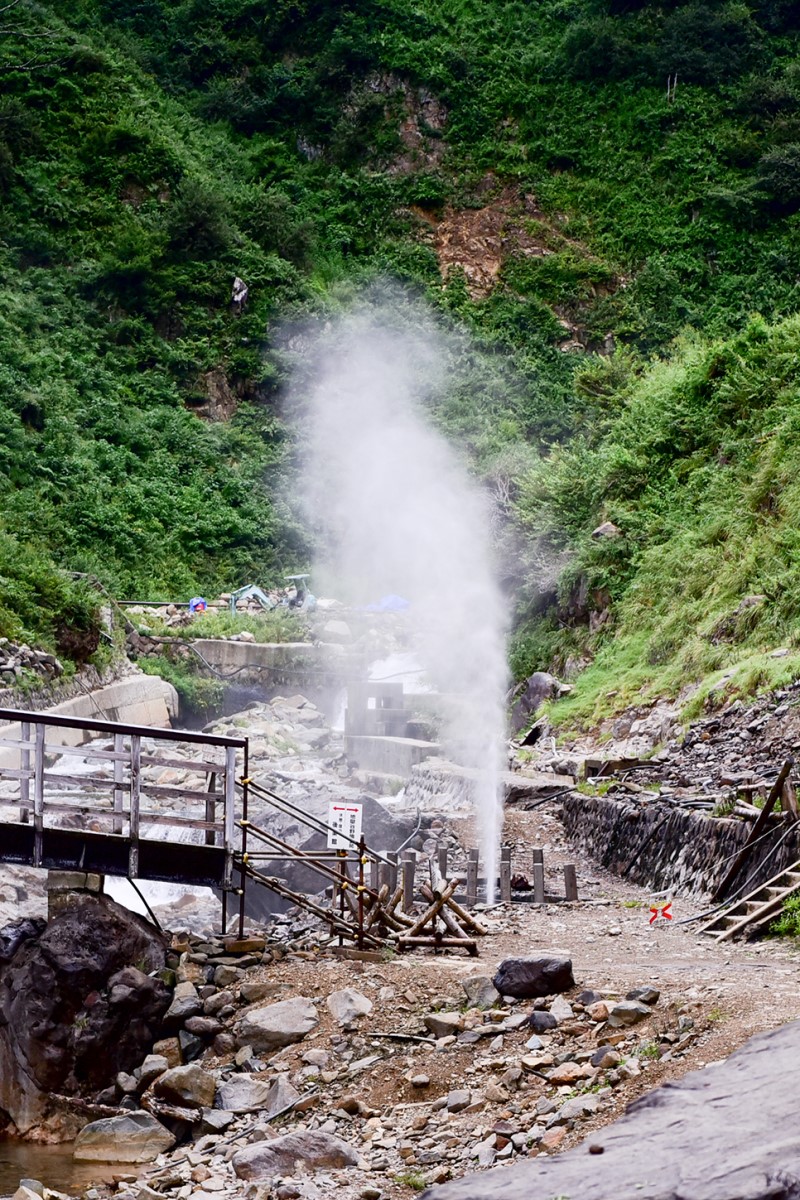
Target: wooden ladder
point(756, 908)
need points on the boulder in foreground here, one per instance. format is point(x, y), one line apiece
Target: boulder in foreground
point(134, 1138)
point(527, 978)
point(716, 1134)
point(312, 1149)
point(276, 1025)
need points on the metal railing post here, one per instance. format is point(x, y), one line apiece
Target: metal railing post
point(25, 783)
point(119, 775)
point(136, 785)
point(38, 795)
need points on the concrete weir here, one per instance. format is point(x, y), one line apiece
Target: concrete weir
point(723, 1133)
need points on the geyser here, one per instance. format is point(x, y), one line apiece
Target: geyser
point(399, 514)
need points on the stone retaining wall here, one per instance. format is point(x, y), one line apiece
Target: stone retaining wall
point(660, 846)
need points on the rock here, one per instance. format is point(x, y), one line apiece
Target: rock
point(219, 1000)
point(58, 1024)
point(277, 1025)
point(588, 997)
point(24, 1192)
point(605, 1057)
point(204, 1027)
point(420, 1081)
point(215, 1120)
point(576, 1107)
point(189, 1087)
point(185, 1003)
point(534, 1043)
point(444, 1024)
point(314, 1149)
point(552, 1138)
point(191, 1046)
point(153, 1066)
point(607, 530)
point(685, 1139)
point(570, 1072)
point(646, 995)
point(133, 1138)
point(529, 696)
point(458, 1100)
point(542, 1021)
point(243, 1093)
point(347, 1005)
point(226, 976)
point(251, 991)
point(628, 1012)
point(527, 978)
point(597, 1011)
point(480, 991)
point(561, 1010)
point(170, 1049)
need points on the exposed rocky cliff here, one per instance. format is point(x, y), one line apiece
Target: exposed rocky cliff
point(76, 1007)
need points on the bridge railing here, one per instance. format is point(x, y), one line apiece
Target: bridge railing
point(129, 784)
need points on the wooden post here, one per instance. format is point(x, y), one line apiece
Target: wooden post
point(136, 783)
point(441, 855)
point(505, 879)
point(374, 875)
point(385, 877)
point(538, 883)
point(38, 796)
point(392, 857)
point(570, 882)
point(119, 775)
point(25, 783)
point(755, 832)
point(409, 866)
point(472, 879)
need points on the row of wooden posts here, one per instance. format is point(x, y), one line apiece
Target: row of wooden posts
point(404, 866)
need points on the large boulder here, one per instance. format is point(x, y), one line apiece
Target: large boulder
point(136, 1137)
point(715, 1134)
point(244, 1093)
point(530, 695)
point(189, 1087)
point(542, 975)
point(74, 1010)
point(276, 1025)
point(313, 1149)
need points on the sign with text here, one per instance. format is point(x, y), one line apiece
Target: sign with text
point(345, 820)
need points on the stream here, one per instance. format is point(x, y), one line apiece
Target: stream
point(53, 1166)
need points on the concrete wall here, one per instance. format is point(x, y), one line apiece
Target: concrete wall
point(136, 699)
point(661, 846)
point(297, 664)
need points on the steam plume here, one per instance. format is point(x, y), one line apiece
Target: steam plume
point(401, 515)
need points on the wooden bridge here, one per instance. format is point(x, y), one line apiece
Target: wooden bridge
point(117, 815)
point(114, 799)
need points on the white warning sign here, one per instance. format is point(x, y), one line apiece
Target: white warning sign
point(345, 819)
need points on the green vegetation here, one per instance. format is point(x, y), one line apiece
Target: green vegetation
point(153, 150)
point(199, 694)
point(412, 1179)
point(279, 625)
point(788, 923)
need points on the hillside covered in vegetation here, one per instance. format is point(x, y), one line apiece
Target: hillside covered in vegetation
point(600, 197)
